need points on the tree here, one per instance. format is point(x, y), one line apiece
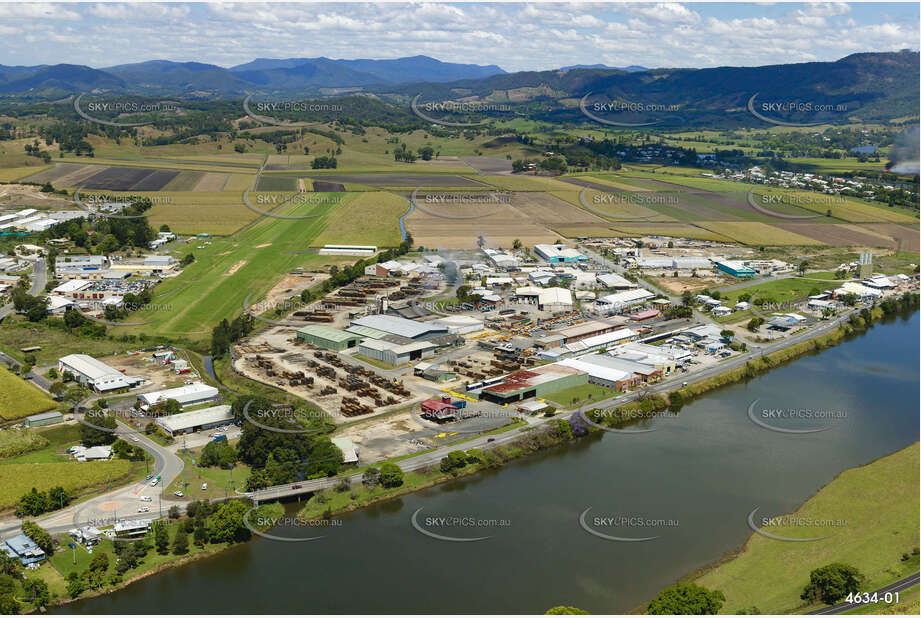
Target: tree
point(802, 267)
point(96, 571)
point(200, 536)
point(371, 478)
point(91, 436)
point(37, 590)
point(75, 584)
point(391, 475)
point(161, 537)
point(831, 583)
point(516, 244)
point(226, 524)
point(173, 512)
point(220, 454)
point(686, 599)
point(565, 610)
point(39, 536)
point(181, 543)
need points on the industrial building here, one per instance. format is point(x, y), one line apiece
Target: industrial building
point(536, 382)
point(584, 330)
point(622, 300)
point(601, 374)
point(615, 282)
point(94, 373)
point(363, 250)
point(197, 420)
point(403, 327)
point(589, 344)
point(188, 395)
point(460, 324)
point(45, 418)
point(396, 353)
point(132, 528)
point(547, 299)
point(328, 337)
point(736, 268)
point(558, 253)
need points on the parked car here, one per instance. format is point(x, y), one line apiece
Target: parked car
point(178, 494)
point(204, 486)
point(490, 439)
point(146, 499)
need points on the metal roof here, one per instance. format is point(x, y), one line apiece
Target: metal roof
point(88, 366)
point(187, 420)
point(327, 332)
point(399, 326)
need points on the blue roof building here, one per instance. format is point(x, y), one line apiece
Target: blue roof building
point(736, 268)
point(24, 548)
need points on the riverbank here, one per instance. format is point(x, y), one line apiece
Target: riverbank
point(867, 517)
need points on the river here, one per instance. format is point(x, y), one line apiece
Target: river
point(701, 471)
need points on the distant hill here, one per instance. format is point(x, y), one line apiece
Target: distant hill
point(630, 69)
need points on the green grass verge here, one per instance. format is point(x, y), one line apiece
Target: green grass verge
point(577, 395)
point(879, 502)
point(18, 398)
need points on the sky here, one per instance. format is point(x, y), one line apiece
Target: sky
point(514, 36)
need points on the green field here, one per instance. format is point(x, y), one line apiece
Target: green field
point(879, 502)
point(369, 218)
point(782, 290)
point(572, 397)
point(18, 398)
point(230, 269)
point(14, 442)
point(17, 479)
point(55, 342)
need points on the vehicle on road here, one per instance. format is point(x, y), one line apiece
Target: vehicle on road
point(148, 477)
point(490, 439)
point(178, 494)
point(204, 486)
point(143, 509)
point(135, 439)
point(154, 482)
point(146, 499)
point(296, 486)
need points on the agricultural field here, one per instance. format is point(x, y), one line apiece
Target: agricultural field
point(15, 442)
point(880, 500)
point(755, 233)
point(401, 181)
point(841, 234)
point(17, 479)
point(190, 212)
point(19, 399)
point(363, 218)
point(526, 183)
point(676, 230)
point(12, 174)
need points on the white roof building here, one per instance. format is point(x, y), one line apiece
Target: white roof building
point(624, 299)
point(186, 395)
point(88, 370)
point(348, 448)
point(613, 280)
point(196, 420)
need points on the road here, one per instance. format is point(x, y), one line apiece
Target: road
point(838, 608)
point(121, 503)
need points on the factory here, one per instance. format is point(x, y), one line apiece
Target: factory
point(736, 268)
point(558, 253)
point(328, 337)
point(197, 420)
point(614, 281)
point(188, 395)
point(94, 373)
point(395, 325)
point(396, 353)
point(547, 299)
point(622, 300)
point(536, 382)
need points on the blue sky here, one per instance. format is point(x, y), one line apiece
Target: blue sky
point(515, 36)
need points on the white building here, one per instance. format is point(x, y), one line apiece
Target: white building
point(558, 253)
point(94, 373)
point(621, 300)
point(197, 420)
point(615, 281)
point(187, 395)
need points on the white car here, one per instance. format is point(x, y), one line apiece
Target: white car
point(146, 499)
point(178, 494)
point(204, 486)
point(154, 482)
point(143, 509)
point(135, 439)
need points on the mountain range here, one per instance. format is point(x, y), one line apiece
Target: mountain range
point(867, 86)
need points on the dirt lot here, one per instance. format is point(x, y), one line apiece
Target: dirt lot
point(679, 285)
point(142, 364)
point(212, 181)
point(391, 436)
point(843, 235)
point(907, 236)
point(488, 165)
point(28, 195)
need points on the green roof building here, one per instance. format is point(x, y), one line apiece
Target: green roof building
point(328, 337)
point(46, 418)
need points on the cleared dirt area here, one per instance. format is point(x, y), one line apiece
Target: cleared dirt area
point(678, 285)
point(212, 181)
point(906, 236)
point(28, 195)
point(130, 179)
point(841, 235)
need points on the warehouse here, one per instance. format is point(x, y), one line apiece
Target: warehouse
point(460, 324)
point(187, 395)
point(396, 353)
point(537, 382)
point(328, 337)
point(736, 268)
point(558, 253)
point(87, 370)
point(365, 250)
point(348, 448)
point(198, 420)
point(46, 418)
point(403, 327)
point(622, 300)
point(548, 299)
point(601, 373)
point(589, 344)
point(615, 282)
point(586, 329)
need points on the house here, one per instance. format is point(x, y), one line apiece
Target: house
point(132, 528)
point(93, 453)
point(742, 306)
point(23, 548)
point(721, 311)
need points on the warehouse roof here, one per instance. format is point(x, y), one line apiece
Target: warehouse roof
point(349, 452)
point(366, 331)
point(87, 365)
point(327, 332)
point(613, 280)
point(196, 418)
point(627, 296)
point(399, 326)
point(182, 394)
point(398, 348)
point(44, 416)
point(555, 296)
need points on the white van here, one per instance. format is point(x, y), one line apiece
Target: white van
point(204, 486)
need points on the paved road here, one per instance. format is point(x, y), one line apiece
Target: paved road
point(121, 503)
point(39, 280)
point(902, 584)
